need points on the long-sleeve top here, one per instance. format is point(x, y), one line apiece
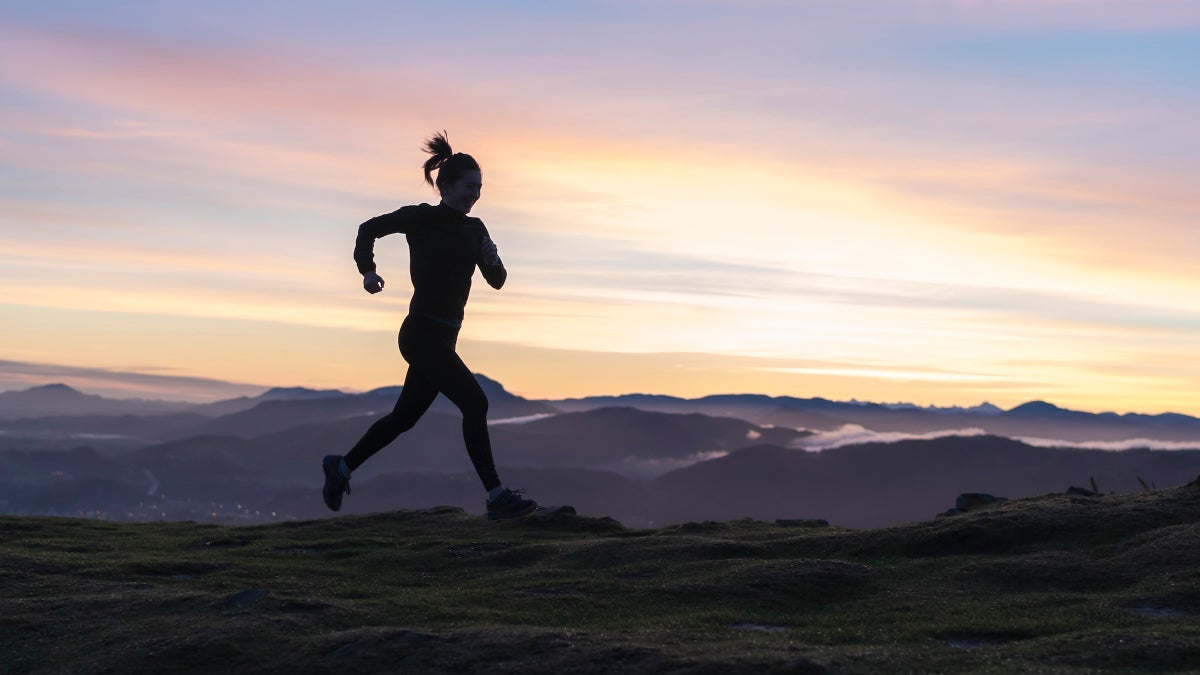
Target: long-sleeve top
point(444, 248)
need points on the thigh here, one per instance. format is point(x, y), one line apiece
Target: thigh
point(416, 396)
point(429, 350)
point(453, 378)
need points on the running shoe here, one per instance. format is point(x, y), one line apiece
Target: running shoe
point(336, 485)
point(510, 504)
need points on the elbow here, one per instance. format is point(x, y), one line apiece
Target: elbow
point(364, 245)
point(497, 278)
point(364, 262)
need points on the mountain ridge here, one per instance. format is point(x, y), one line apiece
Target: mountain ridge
point(59, 394)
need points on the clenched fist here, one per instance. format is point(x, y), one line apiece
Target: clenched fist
point(372, 282)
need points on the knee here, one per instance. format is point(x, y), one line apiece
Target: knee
point(396, 424)
point(475, 406)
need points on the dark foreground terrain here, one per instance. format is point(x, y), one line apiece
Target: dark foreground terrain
point(1050, 584)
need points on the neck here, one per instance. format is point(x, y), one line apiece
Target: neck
point(456, 210)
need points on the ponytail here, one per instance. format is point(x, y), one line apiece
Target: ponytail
point(448, 164)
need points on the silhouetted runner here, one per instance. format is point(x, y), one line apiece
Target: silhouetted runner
point(445, 246)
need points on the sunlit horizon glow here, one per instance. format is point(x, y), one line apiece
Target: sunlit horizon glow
point(941, 203)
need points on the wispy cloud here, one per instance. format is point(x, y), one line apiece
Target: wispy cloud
point(1114, 446)
point(1000, 187)
point(642, 467)
point(114, 383)
point(853, 434)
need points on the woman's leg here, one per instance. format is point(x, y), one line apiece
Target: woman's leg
point(429, 347)
point(415, 399)
point(454, 379)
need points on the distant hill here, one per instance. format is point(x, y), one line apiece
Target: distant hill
point(60, 400)
point(631, 442)
point(628, 441)
point(41, 410)
point(645, 459)
point(1034, 419)
point(235, 405)
point(138, 429)
point(878, 484)
point(868, 485)
point(273, 414)
point(872, 485)
point(280, 408)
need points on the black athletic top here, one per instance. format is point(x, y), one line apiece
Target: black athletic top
point(444, 247)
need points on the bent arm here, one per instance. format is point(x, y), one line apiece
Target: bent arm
point(368, 232)
point(490, 263)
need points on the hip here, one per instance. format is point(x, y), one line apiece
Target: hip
point(421, 334)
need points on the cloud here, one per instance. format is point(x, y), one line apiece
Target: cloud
point(111, 383)
point(641, 467)
point(1114, 446)
point(525, 419)
point(853, 434)
point(898, 374)
point(912, 187)
point(1107, 15)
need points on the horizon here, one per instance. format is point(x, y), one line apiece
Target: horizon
point(941, 203)
point(119, 390)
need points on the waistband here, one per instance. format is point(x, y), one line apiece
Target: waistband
point(446, 323)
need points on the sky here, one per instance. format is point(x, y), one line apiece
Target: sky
point(941, 202)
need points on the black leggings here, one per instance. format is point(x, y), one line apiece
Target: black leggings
point(433, 367)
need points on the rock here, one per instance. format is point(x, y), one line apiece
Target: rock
point(802, 522)
point(565, 517)
point(1081, 492)
point(972, 500)
point(968, 501)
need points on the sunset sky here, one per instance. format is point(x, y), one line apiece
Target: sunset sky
point(933, 201)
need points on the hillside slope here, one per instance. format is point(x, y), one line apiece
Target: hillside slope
point(1047, 584)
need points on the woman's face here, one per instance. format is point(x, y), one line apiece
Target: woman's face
point(462, 194)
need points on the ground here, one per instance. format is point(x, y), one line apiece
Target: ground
point(1056, 583)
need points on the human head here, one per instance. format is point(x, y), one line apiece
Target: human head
point(451, 167)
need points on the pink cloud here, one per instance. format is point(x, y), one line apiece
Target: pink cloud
point(1107, 15)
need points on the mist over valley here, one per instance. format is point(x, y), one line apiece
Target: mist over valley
point(644, 460)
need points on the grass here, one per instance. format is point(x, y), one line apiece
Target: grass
point(1050, 584)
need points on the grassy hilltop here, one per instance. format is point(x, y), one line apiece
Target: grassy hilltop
point(1051, 584)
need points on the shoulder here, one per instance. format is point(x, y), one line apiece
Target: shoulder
point(476, 224)
point(414, 215)
point(404, 213)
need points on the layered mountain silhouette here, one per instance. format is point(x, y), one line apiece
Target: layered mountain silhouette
point(59, 400)
point(1033, 419)
point(641, 459)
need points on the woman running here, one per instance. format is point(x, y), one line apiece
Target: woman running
point(445, 246)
